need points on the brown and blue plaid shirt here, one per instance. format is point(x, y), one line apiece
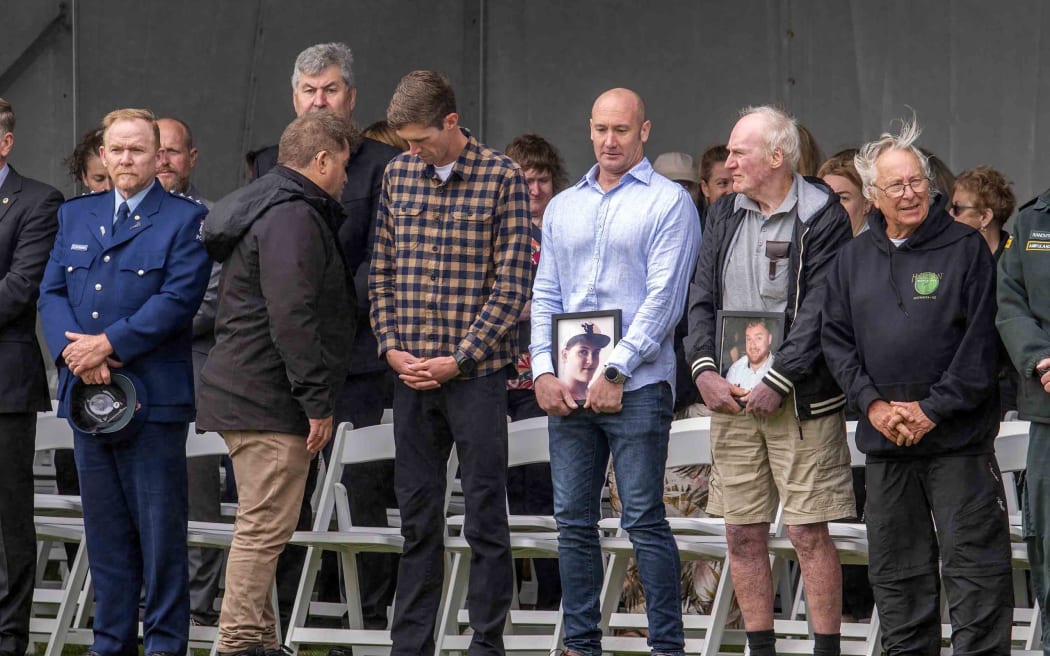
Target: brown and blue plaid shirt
point(452, 262)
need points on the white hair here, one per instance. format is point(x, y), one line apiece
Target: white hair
point(781, 132)
point(316, 58)
point(869, 154)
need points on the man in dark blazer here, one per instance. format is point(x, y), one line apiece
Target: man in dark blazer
point(323, 80)
point(126, 275)
point(27, 230)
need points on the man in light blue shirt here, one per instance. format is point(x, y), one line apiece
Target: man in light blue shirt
point(623, 238)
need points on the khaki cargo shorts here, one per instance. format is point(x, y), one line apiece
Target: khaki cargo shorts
point(757, 462)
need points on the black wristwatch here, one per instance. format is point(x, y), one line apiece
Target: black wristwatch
point(467, 366)
point(614, 375)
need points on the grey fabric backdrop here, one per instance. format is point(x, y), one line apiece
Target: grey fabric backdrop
point(976, 72)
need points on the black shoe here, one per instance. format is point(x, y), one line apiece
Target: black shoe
point(339, 651)
point(280, 651)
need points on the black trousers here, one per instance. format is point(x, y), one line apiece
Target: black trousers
point(17, 532)
point(963, 497)
point(472, 414)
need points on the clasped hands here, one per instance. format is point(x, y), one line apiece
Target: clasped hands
point(555, 398)
point(422, 373)
point(722, 396)
point(87, 356)
point(901, 422)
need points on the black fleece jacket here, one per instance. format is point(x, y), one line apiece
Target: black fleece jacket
point(286, 314)
point(917, 323)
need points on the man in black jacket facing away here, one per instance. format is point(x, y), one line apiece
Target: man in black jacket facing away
point(283, 331)
point(323, 80)
point(909, 333)
point(767, 248)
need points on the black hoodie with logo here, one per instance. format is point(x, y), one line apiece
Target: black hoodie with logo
point(917, 323)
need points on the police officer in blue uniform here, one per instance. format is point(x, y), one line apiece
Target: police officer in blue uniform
point(125, 277)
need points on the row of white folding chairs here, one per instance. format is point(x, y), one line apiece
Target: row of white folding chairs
point(541, 631)
point(533, 536)
point(62, 615)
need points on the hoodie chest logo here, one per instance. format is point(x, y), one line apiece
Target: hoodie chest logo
point(926, 283)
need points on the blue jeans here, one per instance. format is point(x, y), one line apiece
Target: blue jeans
point(580, 445)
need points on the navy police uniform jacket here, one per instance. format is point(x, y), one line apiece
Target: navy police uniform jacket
point(140, 286)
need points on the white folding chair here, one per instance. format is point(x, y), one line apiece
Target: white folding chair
point(57, 521)
point(851, 542)
point(1011, 452)
point(532, 536)
point(370, 444)
point(697, 538)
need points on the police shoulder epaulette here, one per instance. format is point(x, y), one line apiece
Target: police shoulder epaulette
point(87, 194)
point(179, 194)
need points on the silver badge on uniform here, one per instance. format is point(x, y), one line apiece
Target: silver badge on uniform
point(78, 247)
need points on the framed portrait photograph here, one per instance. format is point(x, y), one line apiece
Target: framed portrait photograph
point(747, 345)
point(582, 342)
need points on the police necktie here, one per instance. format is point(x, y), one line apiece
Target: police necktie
point(122, 218)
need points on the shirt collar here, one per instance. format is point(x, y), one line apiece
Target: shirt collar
point(465, 164)
point(642, 172)
point(134, 201)
point(790, 201)
point(4, 170)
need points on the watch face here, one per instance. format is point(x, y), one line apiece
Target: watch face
point(612, 374)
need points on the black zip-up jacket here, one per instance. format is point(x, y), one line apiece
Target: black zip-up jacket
point(917, 323)
point(799, 364)
point(360, 201)
point(286, 314)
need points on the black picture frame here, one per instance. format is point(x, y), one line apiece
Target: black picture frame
point(567, 326)
point(731, 326)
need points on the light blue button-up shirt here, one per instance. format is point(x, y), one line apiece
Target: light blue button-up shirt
point(132, 202)
point(631, 248)
point(3, 174)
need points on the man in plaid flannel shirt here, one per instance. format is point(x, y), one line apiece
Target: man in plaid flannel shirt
point(451, 272)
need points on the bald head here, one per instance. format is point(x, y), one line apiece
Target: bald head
point(619, 132)
point(621, 100)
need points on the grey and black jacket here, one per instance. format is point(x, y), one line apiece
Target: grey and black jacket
point(821, 229)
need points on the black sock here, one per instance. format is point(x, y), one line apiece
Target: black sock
point(763, 643)
point(826, 644)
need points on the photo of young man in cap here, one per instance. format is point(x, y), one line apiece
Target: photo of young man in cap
point(581, 359)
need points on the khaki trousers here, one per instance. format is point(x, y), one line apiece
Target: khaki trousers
point(270, 469)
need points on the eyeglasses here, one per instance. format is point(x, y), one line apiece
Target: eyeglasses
point(896, 190)
point(955, 209)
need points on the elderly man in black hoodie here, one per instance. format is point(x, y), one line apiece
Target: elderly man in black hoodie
point(909, 334)
point(282, 338)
